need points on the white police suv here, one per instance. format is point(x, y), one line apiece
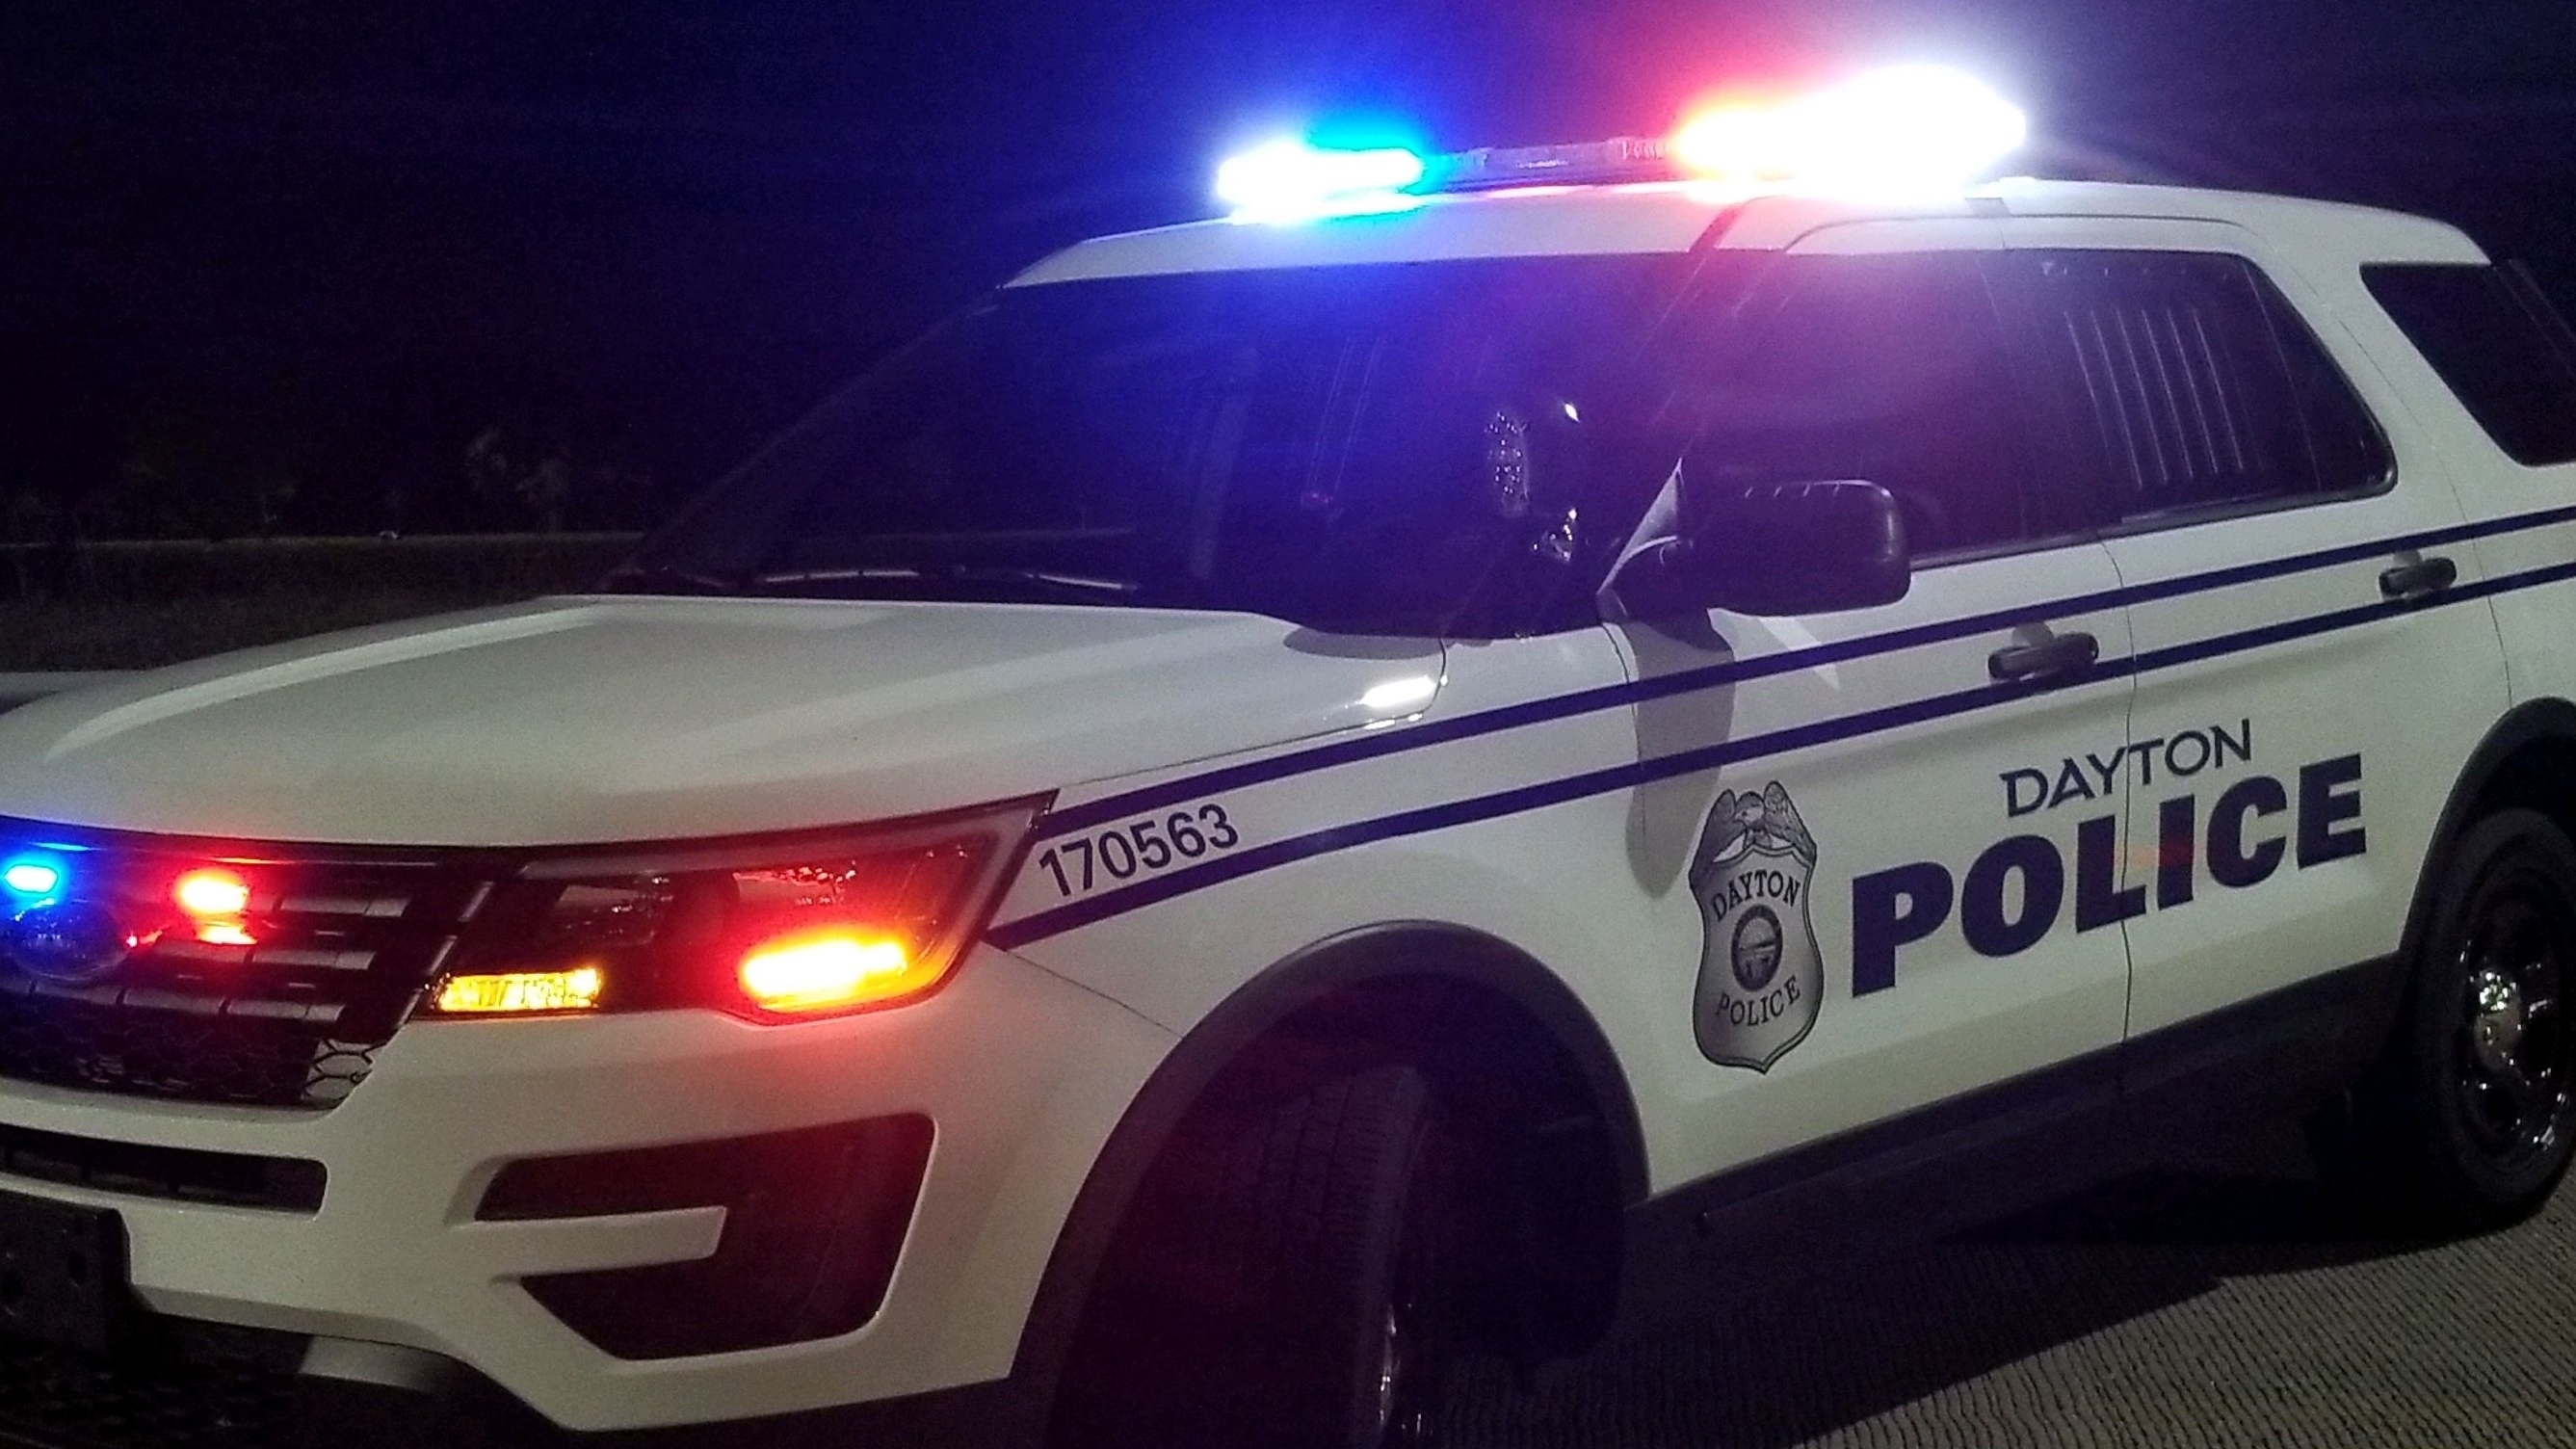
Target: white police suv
point(1286, 797)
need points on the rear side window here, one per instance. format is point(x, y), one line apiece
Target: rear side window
point(2185, 383)
point(2496, 346)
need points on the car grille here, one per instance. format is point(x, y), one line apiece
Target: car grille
point(343, 950)
point(63, 1400)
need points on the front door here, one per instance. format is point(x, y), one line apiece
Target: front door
point(1903, 875)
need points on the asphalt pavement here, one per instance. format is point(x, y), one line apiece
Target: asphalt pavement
point(2220, 1306)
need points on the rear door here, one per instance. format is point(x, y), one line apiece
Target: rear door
point(1859, 913)
point(2312, 662)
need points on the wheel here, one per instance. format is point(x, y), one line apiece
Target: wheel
point(2476, 1103)
point(1284, 1279)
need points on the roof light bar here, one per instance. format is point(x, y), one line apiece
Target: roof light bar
point(1910, 128)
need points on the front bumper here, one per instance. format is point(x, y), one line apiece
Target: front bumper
point(206, 1386)
point(1022, 1074)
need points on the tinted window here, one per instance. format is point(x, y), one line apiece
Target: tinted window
point(1889, 369)
point(2187, 383)
point(1383, 449)
point(2489, 340)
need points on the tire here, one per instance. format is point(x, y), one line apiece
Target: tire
point(1284, 1279)
point(2475, 1110)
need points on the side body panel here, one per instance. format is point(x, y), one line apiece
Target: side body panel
point(1556, 806)
point(1774, 859)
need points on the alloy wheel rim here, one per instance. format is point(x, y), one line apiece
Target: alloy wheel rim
point(2512, 1061)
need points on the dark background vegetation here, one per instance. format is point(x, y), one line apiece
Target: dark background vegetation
point(343, 268)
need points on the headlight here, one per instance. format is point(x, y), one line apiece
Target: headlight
point(782, 929)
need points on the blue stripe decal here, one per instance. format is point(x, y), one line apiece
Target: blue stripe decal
point(1508, 802)
point(1013, 935)
point(1074, 819)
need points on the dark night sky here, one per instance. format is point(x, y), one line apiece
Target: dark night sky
point(337, 240)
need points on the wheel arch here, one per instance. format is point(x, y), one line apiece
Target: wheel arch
point(2528, 758)
point(1391, 956)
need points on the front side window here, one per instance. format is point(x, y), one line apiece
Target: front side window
point(1393, 449)
point(1887, 369)
point(2187, 383)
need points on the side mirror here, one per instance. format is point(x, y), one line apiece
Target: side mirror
point(1776, 549)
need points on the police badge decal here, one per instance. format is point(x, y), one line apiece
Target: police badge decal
point(1761, 977)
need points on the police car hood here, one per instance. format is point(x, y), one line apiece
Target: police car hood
point(600, 719)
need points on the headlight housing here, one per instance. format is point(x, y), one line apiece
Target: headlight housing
point(787, 928)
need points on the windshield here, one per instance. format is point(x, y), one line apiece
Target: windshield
point(1429, 449)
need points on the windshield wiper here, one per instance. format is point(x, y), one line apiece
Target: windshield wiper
point(666, 579)
point(1045, 581)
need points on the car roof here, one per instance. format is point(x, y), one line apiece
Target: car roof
point(1662, 217)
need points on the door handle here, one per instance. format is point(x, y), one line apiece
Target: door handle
point(2069, 653)
point(2415, 580)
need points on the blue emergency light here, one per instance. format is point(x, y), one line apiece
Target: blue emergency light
point(30, 879)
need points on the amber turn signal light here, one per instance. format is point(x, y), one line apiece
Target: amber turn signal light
point(829, 970)
point(521, 991)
